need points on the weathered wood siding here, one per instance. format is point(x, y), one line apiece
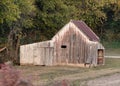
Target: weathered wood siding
point(69, 46)
point(37, 54)
point(26, 54)
point(76, 43)
point(79, 49)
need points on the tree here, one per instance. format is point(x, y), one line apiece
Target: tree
point(89, 11)
point(51, 16)
point(16, 14)
point(112, 23)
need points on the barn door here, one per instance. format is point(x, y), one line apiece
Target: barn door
point(100, 56)
point(43, 56)
point(38, 56)
point(48, 56)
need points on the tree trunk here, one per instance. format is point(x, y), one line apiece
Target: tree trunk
point(13, 45)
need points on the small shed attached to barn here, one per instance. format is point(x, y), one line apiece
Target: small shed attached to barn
point(74, 44)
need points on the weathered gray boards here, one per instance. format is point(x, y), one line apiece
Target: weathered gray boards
point(74, 44)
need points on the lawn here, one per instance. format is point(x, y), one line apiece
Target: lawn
point(112, 48)
point(51, 76)
point(74, 76)
point(112, 52)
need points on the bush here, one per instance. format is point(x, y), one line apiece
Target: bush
point(9, 76)
point(61, 83)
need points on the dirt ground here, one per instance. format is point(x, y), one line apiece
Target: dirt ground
point(112, 80)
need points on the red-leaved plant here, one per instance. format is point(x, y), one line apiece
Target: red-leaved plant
point(9, 76)
point(61, 83)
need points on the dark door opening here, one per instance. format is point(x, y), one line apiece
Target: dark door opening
point(100, 56)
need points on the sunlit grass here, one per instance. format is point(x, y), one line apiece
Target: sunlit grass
point(47, 75)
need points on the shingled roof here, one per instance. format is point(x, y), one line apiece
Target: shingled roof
point(86, 30)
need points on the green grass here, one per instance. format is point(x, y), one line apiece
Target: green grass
point(49, 74)
point(112, 48)
point(112, 51)
point(112, 44)
point(112, 63)
point(57, 73)
point(109, 63)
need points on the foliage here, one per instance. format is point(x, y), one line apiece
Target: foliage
point(51, 16)
point(9, 11)
point(102, 16)
point(9, 76)
point(89, 11)
point(111, 26)
point(15, 15)
point(38, 20)
point(62, 83)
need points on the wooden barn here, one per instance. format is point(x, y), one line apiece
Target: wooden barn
point(74, 44)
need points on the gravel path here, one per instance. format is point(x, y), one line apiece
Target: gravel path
point(113, 80)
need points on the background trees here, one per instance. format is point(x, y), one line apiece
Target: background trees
point(90, 11)
point(15, 15)
point(27, 21)
point(51, 16)
point(112, 29)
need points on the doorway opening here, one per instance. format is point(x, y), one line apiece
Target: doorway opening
point(100, 56)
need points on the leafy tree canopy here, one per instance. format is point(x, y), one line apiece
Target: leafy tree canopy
point(52, 15)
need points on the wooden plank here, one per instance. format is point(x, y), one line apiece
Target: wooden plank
point(51, 56)
point(47, 58)
point(26, 54)
point(2, 49)
point(37, 56)
point(45, 44)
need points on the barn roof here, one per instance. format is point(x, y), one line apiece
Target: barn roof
point(86, 30)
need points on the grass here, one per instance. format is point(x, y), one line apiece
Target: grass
point(112, 48)
point(83, 82)
point(47, 76)
point(112, 44)
point(112, 52)
point(110, 63)
point(57, 73)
